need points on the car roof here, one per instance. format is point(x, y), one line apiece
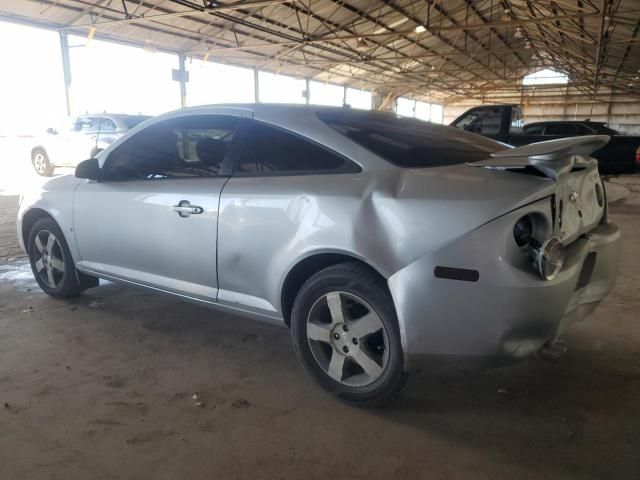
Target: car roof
point(266, 108)
point(112, 115)
point(301, 119)
point(581, 122)
point(495, 105)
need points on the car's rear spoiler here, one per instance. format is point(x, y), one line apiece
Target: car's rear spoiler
point(552, 157)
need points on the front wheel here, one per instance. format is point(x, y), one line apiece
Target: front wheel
point(51, 261)
point(41, 163)
point(346, 335)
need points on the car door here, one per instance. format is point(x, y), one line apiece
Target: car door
point(57, 144)
point(106, 135)
point(153, 218)
point(486, 121)
point(269, 211)
point(77, 143)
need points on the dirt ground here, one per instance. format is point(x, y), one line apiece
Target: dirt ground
point(102, 387)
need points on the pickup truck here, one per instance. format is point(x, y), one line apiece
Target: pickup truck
point(504, 123)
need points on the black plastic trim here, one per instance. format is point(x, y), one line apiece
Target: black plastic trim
point(461, 274)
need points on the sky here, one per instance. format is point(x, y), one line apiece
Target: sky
point(31, 83)
point(115, 78)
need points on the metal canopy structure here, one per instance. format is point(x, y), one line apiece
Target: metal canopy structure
point(425, 49)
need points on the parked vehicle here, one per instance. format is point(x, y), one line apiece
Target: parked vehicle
point(504, 123)
point(84, 137)
point(378, 240)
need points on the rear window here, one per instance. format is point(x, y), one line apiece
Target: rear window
point(407, 142)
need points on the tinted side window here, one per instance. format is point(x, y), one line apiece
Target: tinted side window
point(485, 121)
point(73, 122)
point(194, 146)
point(132, 120)
point(584, 130)
point(566, 129)
point(534, 129)
point(516, 120)
point(87, 124)
point(107, 125)
point(272, 151)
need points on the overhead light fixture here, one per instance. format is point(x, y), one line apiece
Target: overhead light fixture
point(506, 16)
point(421, 29)
point(527, 44)
point(148, 46)
point(519, 32)
point(362, 45)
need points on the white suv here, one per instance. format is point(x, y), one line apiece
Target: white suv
point(84, 138)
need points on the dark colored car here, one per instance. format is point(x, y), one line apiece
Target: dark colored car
point(504, 123)
point(566, 128)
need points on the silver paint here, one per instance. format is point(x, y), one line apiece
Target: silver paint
point(401, 222)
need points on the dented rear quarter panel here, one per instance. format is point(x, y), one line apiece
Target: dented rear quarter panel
point(387, 219)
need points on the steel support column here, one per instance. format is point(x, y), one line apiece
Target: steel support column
point(256, 85)
point(66, 69)
point(183, 80)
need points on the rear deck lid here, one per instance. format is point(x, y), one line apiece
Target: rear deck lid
point(551, 158)
point(579, 197)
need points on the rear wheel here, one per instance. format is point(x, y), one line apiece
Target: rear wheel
point(51, 262)
point(41, 163)
point(346, 335)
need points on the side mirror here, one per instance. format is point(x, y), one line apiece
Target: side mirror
point(52, 131)
point(89, 169)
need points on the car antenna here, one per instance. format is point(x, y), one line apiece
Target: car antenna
point(98, 134)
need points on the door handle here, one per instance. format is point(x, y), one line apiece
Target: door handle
point(185, 209)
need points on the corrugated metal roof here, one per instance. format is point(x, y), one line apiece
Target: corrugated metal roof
point(426, 49)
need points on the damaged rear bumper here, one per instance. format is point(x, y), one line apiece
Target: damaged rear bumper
point(508, 312)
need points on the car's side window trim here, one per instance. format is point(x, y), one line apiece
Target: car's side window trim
point(357, 168)
point(225, 169)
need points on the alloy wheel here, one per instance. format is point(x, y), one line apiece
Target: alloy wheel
point(39, 163)
point(348, 339)
point(48, 258)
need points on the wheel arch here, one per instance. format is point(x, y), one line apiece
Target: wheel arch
point(39, 147)
point(308, 266)
point(29, 219)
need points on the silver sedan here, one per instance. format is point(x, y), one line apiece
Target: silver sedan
point(378, 240)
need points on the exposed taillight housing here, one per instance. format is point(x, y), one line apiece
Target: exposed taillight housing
point(638, 157)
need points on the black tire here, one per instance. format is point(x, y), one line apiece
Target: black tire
point(359, 288)
point(41, 163)
point(44, 257)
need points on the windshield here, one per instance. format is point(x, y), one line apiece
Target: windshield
point(407, 142)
